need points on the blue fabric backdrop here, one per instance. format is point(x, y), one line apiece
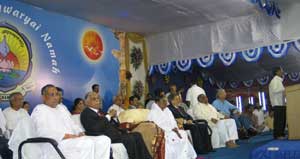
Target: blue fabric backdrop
point(58, 55)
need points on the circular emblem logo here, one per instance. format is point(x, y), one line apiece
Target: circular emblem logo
point(92, 45)
point(15, 57)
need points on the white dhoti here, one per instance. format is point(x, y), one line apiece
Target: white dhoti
point(86, 147)
point(177, 148)
point(222, 132)
point(54, 123)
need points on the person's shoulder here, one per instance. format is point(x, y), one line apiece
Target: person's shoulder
point(171, 107)
point(6, 110)
point(114, 106)
point(86, 111)
point(215, 101)
point(39, 107)
point(23, 110)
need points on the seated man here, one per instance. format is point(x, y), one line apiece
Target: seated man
point(186, 121)
point(15, 112)
point(5, 152)
point(26, 106)
point(270, 120)
point(249, 120)
point(260, 115)
point(118, 106)
point(177, 145)
point(52, 120)
point(222, 105)
point(134, 102)
point(224, 128)
point(96, 123)
point(230, 111)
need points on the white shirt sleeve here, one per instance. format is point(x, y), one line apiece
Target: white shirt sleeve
point(276, 86)
point(188, 95)
point(108, 117)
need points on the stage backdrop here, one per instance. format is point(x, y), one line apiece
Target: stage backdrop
point(39, 47)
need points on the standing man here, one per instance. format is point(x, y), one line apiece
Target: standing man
point(96, 89)
point(192, 94)
point(277, 97)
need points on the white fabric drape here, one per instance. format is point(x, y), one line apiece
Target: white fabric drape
point(235, 34)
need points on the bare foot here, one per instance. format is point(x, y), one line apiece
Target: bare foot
point(231, 145)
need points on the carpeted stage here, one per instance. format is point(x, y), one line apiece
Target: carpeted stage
point(259, 147)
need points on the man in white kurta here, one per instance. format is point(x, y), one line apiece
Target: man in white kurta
point(2, 122)
point(177, 143)
point(52, 120)
point(117, 106)
point(192, 94)
point(277, 98)
point(224, 130)
point(14, 113)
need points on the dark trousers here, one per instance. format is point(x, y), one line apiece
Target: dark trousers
point(134, 144)
point(200, 136)
point(279, 121)
point(5, 153)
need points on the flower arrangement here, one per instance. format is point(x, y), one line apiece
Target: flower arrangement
point(136, 57)
point(138, 88)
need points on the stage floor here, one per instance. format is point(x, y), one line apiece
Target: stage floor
point(278, 149)
point(243, 151)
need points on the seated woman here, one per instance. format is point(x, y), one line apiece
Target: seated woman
point(77, 109)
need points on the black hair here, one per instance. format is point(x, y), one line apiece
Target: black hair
point(158, 91)
point(171, 97)
point(76, 102)
point(25, 102)
point(276, 69)
point(132, 98)
point(94, 86)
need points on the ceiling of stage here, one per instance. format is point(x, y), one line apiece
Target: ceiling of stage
point(150, 16)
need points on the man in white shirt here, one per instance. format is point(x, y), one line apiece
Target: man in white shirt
point(224, 130)
point(173, 90)
point(192, 94)
point(277, 97)
point(177, 144)
point(52, 120)
point(15, 112)
point(118, 106)
point(5, 152)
